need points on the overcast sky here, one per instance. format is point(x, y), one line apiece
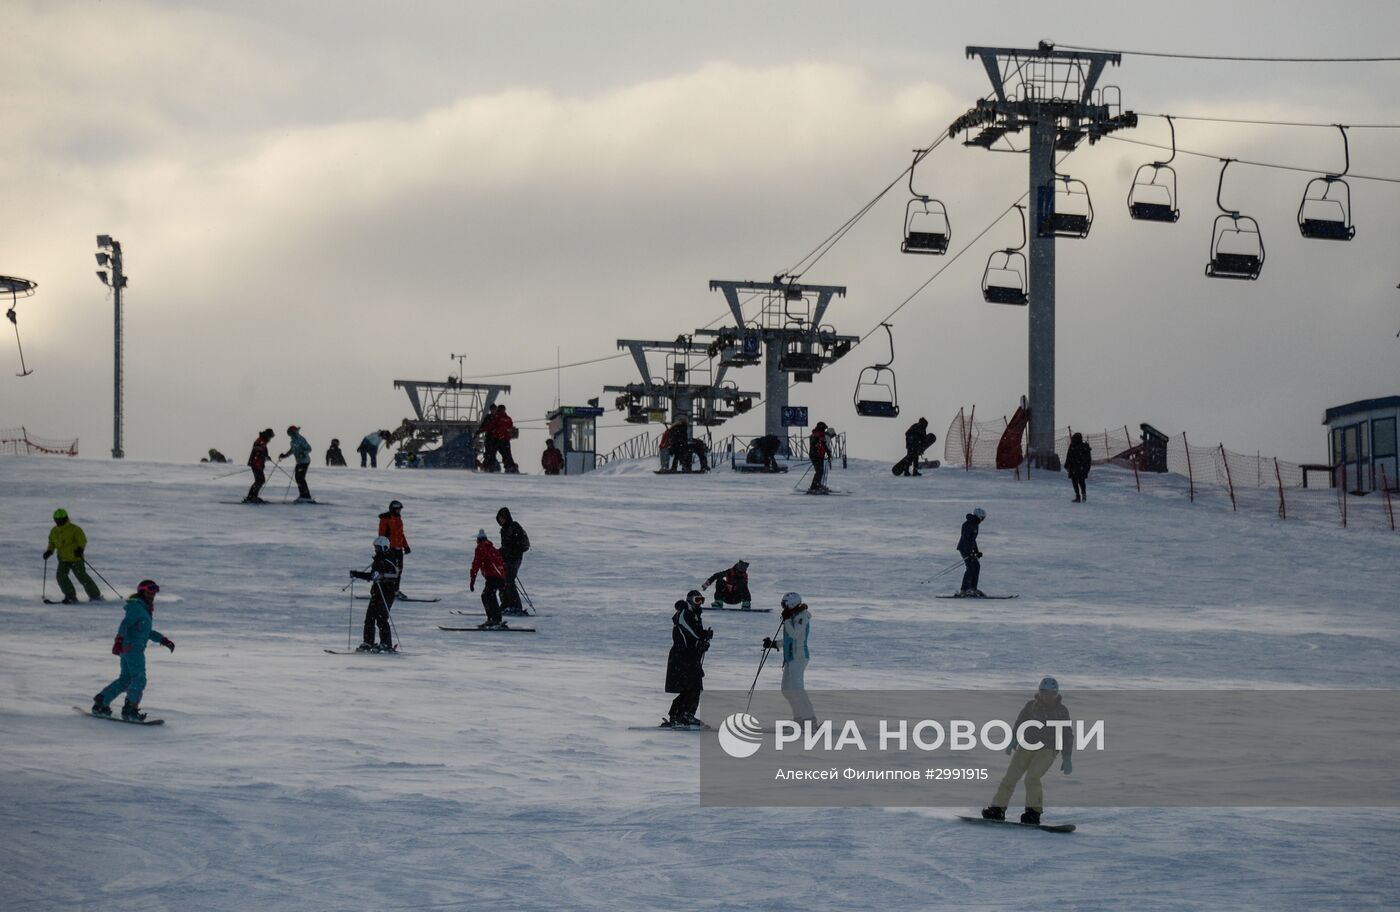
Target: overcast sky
point(317, 198)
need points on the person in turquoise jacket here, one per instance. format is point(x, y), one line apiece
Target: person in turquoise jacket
point(136, 630)
point(302, 451)
point(68, 540)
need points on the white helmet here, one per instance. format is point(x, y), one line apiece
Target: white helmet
point(791, 600)
point(381, 544)
point(980, 513)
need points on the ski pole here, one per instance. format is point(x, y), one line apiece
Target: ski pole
point(949, 569)
point(88, 564)
point(802, 479)
point(231, 474)
point(761, 661)
point(351, 584)
point(521, 586)
point(45, 595)
point(350, 616)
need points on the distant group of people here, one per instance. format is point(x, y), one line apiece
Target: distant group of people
point(500, 570)
point(683, 448)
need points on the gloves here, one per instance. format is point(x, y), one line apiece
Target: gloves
point(360, 575)
point(117, 648)
point(1066, 767)
point(707, 634)
point(704, 585)
point(472, 587)
point(407, 549)
point(78, 552)
point(769, 643)
point(979, 554)
point(168, 643)
point(1010, 748)
point(283, 456)
point(48, 554)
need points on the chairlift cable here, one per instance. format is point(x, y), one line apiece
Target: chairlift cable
point(1256, 164)
point(1268, 123)
point(1230, 57)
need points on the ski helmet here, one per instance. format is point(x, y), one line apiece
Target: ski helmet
point(381, 543)
point(791, 600)
point(695, 597)
point(1049, 684)
point(481, 535)
point(395, 505)
point(60, 514)
point(980, 513)
point(147, 587)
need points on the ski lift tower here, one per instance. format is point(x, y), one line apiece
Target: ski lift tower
point(448, 415)
point(1055, 95)
point(796, 344)
point(689, 385)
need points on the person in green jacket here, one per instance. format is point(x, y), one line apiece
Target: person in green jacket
point(136, 630)
point(302, 451)
point(69, 541)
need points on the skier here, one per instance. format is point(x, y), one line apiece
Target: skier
point(488, 561)
point(797, 625)
point(514, 544)
point(383, 577)
point(498, 430)
point(369, 448)
point(391, 527)
point(967, 547)
point(334, 457)
point(685, 672)
point(135, 631)
point(765, 450)
point(1077, 462)
point(677, 444)
point(818, 449)
point(299, 448)
point(551, 460)
point(731, 586)
point(1034, 759)
point(68, 540)
point(916, 440)
point(257, 461)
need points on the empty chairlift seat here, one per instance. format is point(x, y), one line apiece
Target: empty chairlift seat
point(926, 228)
point(1325, 212)
point(1072, 212)
point(1236, 246)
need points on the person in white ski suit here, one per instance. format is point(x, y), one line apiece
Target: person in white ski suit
point(797, 626)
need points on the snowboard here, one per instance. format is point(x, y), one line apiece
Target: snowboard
point(670, 728)
point(488, 630)
point(356, 652)
point(825, 493)
point(400, 598)
point(278, 503)
point(737, 608)
point(1047, 827)
point(116, 717)
point(979, 598)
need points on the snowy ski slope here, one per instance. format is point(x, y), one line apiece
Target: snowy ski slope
point(479, 772)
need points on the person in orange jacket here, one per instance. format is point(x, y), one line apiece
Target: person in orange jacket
point(498, 431)
point(391, 527)
point(551, 460)
point(488, 562)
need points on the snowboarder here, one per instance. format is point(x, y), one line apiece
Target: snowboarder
point(731, 586)
point(685, 672)
point(136, 630)
point(216, 456)
point(677, 445)
point(334, 457)
point(487, 561)
point(498, 429)
point(967, 547)
point(700, 450)
point(551, 460)
point(765, 450)
point(514, 544)
point(797, 625)
point(916, 440)
point(1077, 462)
point(1032, 762)
point(299, 448)
point(257, 461)
point(383, 577)
point(369, 448)
point(68, 540)
point(818, 449)
point(391, 527)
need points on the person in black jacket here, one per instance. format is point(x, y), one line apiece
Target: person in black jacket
point(1077, 462)
point(334, 457)
point(765, 449)
point(383, 577)
point(678, 446)
point(916, 440)
point(967, 547)
point(514, 544)
point(685, 672)
point(732, 586)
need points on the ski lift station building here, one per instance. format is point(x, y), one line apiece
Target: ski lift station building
point(1362, 441)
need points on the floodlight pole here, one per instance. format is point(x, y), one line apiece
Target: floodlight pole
point(1040, 318)
point(117, 283)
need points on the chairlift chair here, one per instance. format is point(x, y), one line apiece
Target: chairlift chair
point(1325, 215)
point(1004, 280)
point(1073, 210)
point(1153, 199)
point(1236, 246)
point(876, 394)
point(926, 226)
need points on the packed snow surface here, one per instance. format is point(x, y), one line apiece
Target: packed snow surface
point(497, 772)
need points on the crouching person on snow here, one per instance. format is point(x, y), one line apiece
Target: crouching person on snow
point(383, 577)
point(685, 672)
point(136, 630)
point(1034, 762)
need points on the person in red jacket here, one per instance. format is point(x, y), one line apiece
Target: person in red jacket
point(502, 431)
point(257, 461)
point(488, 562)
point(551, 460)
point(818, 450)
point(391, 527)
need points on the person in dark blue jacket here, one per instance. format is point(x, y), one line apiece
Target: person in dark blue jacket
point(967, 547)
point(135, 632)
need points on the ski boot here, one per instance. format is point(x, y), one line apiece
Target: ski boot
point(130, 713)
point(306, 500)
point(100, 707)
point(978, 593)
point(488, 624)
point(746, 605)
point(69, 600)
point(97, 598)
point(502, 626)
point(993, 813)
point(689, 721)
point(671, 722)
point(388, 647)
point(717, 604)
point(1031, 816)
point(365, 647)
